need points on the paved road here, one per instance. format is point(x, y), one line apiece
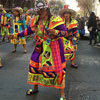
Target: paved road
point(81, 84)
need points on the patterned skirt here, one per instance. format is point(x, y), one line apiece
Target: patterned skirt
point(18, 41)
point(47, 66)
point(69, 50)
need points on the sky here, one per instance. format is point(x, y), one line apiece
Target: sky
point(72, 4)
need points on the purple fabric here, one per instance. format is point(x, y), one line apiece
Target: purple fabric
point(21, 34)
point(35, 56)
point(61, 50)
point(73, 30)
point(29, 31)
point(61, 28)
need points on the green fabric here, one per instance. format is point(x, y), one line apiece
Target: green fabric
point(40, 79)
point(39, 31)
point(4, 30)
point(46, 49)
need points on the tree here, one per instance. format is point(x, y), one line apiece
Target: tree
point(86, 5)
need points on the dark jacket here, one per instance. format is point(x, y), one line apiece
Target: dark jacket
point(92, 23)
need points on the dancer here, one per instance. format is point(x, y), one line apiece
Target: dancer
point(19, 25)
point(4, 25)
point(47, 64)
point(71, 24)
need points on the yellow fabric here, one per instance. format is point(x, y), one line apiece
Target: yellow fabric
point(3, 29)
point(71, 25)
point(20, 41)
point(3, 19)
point(39, 79)
point(18, 24)
point(55, 21)
point(4, 12)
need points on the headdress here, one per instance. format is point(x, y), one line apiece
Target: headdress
point(29, 11)
point(39, 4)
point(19, 9)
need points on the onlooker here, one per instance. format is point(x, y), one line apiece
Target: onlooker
point(92, 27)
point(82, 33)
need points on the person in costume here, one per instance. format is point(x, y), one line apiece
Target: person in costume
point(47, 64)
point(72, 26)
point(19, 25)
point(4, 25)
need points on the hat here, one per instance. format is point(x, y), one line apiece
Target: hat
point(66, 10)
point(19, 9)
point(29, 11)
point(39, 4)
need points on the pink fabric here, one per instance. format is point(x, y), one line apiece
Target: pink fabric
point(56, 56)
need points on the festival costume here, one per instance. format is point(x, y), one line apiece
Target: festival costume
point(28, 16)
point(73, 34)
point(47, 64)
point(19, 25)
point(4, 25)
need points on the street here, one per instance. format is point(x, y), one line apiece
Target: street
point(81, 84)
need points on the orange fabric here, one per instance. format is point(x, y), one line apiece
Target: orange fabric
point(34, 64)
point(63, 18)
point(25, 33)
point(27, 19)
point(75, 32)
point(45, 86)
point(54, 23)
point(17, 34)
point(72, 26)
point(32, 21)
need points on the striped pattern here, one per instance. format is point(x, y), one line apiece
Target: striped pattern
point(56, 56)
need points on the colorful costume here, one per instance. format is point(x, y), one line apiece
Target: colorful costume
point(28, 16)
point(70, 42)
point(19, 25)
point(47, 64)
point(4, 24)
point(73, 32)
